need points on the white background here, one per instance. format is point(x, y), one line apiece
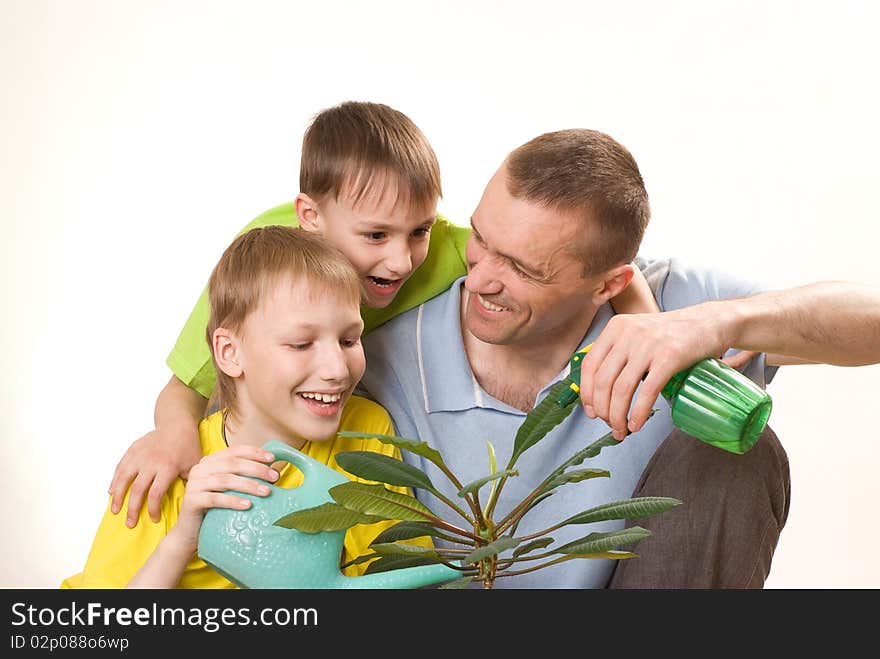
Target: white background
point(139, 137)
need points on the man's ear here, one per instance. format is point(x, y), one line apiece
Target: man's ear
point(612, 282)
point(307, 212)
point(226, 352)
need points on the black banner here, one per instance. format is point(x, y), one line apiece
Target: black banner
point(450, 621)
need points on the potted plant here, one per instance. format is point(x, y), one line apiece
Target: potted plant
point(481, 547)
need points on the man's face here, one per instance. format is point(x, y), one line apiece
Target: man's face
point(385, 241)
point(301, 357)
point(525, 284)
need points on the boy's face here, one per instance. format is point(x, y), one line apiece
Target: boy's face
point(301, 357)
point(384, 240)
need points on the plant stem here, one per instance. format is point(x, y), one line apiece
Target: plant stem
point(452, 528)
point(514, 514)
point(493, 498)
point(478, 515)
point(514, 573)
point(452, 505)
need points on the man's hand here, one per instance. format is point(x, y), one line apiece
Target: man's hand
point(150, 465)
point(650, 346)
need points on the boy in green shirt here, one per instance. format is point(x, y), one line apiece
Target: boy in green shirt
point(370, 183)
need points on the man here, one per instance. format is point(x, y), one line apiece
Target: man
point(552, 241)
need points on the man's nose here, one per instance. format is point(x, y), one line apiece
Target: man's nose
point(482, 276)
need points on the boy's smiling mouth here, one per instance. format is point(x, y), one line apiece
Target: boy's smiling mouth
point(321, 397)
point(323, 403)
point(383, 288)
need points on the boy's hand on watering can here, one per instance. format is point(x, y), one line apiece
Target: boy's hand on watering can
point(233, 468)
point(650, 346)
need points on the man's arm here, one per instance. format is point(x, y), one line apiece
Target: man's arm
point(834, 323)
point(163, 454)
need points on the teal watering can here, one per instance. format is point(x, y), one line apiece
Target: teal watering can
point(248, 549)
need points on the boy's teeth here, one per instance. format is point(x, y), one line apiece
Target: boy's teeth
point(324, 398)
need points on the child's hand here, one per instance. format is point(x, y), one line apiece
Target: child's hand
point(152, 463)
point(209, 480)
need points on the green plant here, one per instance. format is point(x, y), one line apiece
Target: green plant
point(484, 549)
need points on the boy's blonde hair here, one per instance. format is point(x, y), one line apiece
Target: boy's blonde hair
point(357, 145)
point(259, 260)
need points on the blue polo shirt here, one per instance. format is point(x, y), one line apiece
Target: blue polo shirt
point(418, 370)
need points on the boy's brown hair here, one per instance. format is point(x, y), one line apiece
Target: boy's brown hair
point(259, 260)
point(357, 145)
point(591, 176)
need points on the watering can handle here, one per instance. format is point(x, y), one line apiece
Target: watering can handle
point(318, 476)
point(283, 451)
point(322, 558)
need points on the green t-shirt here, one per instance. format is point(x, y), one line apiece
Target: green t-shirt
point(191, 361)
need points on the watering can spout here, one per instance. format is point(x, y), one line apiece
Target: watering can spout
point(248, 548)
point(408, 577)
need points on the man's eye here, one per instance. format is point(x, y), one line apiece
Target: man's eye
point(520, 272)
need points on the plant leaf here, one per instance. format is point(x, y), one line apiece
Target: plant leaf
point(360, 559)
point(545, 416)
point(493, 463)
point(589, 451)
point(576, 476)
point(493, 467)
point(613, 554)
point(495, 547)
point(407, 531)
point(325, 517)
point(383, 468)
point(625, 509)
point(457, 584)
point(396, 562)
point(480, 482)
point(379, 501)
point(400, 549)
point(538, 543)
point(411, 445)
point(601, 542)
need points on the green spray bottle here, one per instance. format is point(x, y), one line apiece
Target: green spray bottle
point(710, 401)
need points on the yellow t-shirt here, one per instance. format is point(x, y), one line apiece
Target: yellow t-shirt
point(118, 552)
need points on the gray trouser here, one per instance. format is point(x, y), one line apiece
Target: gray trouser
point(725, 532)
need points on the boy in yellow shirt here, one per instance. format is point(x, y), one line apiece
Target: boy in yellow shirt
point(284, 333)
point(370, 183)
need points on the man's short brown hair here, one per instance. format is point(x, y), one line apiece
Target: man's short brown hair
point(589, 175)
point(356, 145)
